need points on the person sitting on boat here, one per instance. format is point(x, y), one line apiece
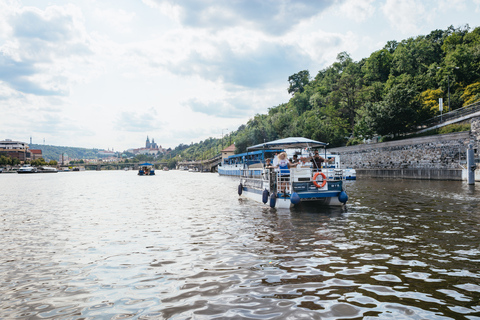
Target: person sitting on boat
point(317, 160)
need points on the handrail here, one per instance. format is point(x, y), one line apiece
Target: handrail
point(472, 108)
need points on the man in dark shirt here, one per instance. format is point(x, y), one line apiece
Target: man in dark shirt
point(317, 160)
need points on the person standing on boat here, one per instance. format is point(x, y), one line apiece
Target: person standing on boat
point(294, 159)
point(284, 170)
point(317, 160)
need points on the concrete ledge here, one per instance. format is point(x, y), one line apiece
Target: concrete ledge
point(420, 174)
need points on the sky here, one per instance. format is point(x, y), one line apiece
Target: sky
point(107, 74)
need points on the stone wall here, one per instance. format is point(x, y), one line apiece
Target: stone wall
point(432, 157)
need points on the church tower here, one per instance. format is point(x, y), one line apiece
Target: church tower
point(147, 144)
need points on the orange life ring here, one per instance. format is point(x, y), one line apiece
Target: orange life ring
point(315, 180)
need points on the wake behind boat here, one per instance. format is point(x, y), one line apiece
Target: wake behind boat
point(283, 187)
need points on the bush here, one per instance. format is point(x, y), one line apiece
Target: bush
point(354, 141)
point(454, 128)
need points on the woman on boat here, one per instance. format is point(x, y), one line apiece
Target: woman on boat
point(284, 166)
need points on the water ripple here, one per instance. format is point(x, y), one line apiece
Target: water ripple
point(112, 245)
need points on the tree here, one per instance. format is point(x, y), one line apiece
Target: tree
point(298, 81)
point(471, 94)
point(394, 115)
point(377, 66)
point(429, 105)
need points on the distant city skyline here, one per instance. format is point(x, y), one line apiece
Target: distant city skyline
point(105, 74)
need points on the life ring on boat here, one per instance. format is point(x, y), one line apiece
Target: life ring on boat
point(315, 179)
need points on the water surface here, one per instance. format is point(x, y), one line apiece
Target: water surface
point(180, 245)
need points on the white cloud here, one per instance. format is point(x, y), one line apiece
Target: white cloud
point(44, 48)
point(358, 10)
point(275, 17)
point(117, 19)
point(407, 16)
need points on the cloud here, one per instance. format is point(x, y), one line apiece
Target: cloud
point(225, 108)
point(274, 17)
point(257, 63)
point(43, 48)
point(138, 122)
point(407, 15)
point(358, 10)
point(117, 19)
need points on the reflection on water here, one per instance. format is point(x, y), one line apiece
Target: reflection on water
point(179, 245)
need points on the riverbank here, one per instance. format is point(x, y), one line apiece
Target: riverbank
point(438, 157)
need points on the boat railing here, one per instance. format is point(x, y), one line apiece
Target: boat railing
point(305, 174)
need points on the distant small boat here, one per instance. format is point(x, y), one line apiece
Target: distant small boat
point(46, 169)
point(146, 169)
point(27, 169)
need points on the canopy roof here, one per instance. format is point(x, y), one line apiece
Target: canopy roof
point(289, 143)
point(145, 164)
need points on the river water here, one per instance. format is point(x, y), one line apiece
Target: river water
point(180, 245)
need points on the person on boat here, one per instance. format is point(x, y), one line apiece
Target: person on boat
point(284, 170)
point(317, 160)
point(268, 163)
point(294, 159)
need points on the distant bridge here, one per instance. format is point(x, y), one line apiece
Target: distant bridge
point(209, 165)
point(114, 165)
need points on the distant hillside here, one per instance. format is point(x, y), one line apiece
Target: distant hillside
point(54, 152)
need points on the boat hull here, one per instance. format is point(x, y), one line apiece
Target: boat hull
point(303, 192)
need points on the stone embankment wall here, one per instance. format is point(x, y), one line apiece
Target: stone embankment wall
point(434, 157)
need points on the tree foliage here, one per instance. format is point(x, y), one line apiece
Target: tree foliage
point(388, 93)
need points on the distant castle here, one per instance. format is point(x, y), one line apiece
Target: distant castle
point(151, 145)
point(151, 148)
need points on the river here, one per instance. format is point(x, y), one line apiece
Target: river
point(180, 245)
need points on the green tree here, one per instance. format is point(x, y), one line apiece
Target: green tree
point(377, 66)
point(298, 81)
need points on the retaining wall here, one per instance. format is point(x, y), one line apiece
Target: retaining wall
point(438, 157)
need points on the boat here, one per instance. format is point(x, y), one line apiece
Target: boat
point(234, 165)
point(26, 168)
point(146, 169)
point(46, 169)
point(304, 183)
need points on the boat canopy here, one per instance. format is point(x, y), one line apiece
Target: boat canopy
point(250, 154)
point(145, 164)
point(289, 143)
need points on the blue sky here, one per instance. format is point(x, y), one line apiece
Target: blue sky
point(105, 74)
